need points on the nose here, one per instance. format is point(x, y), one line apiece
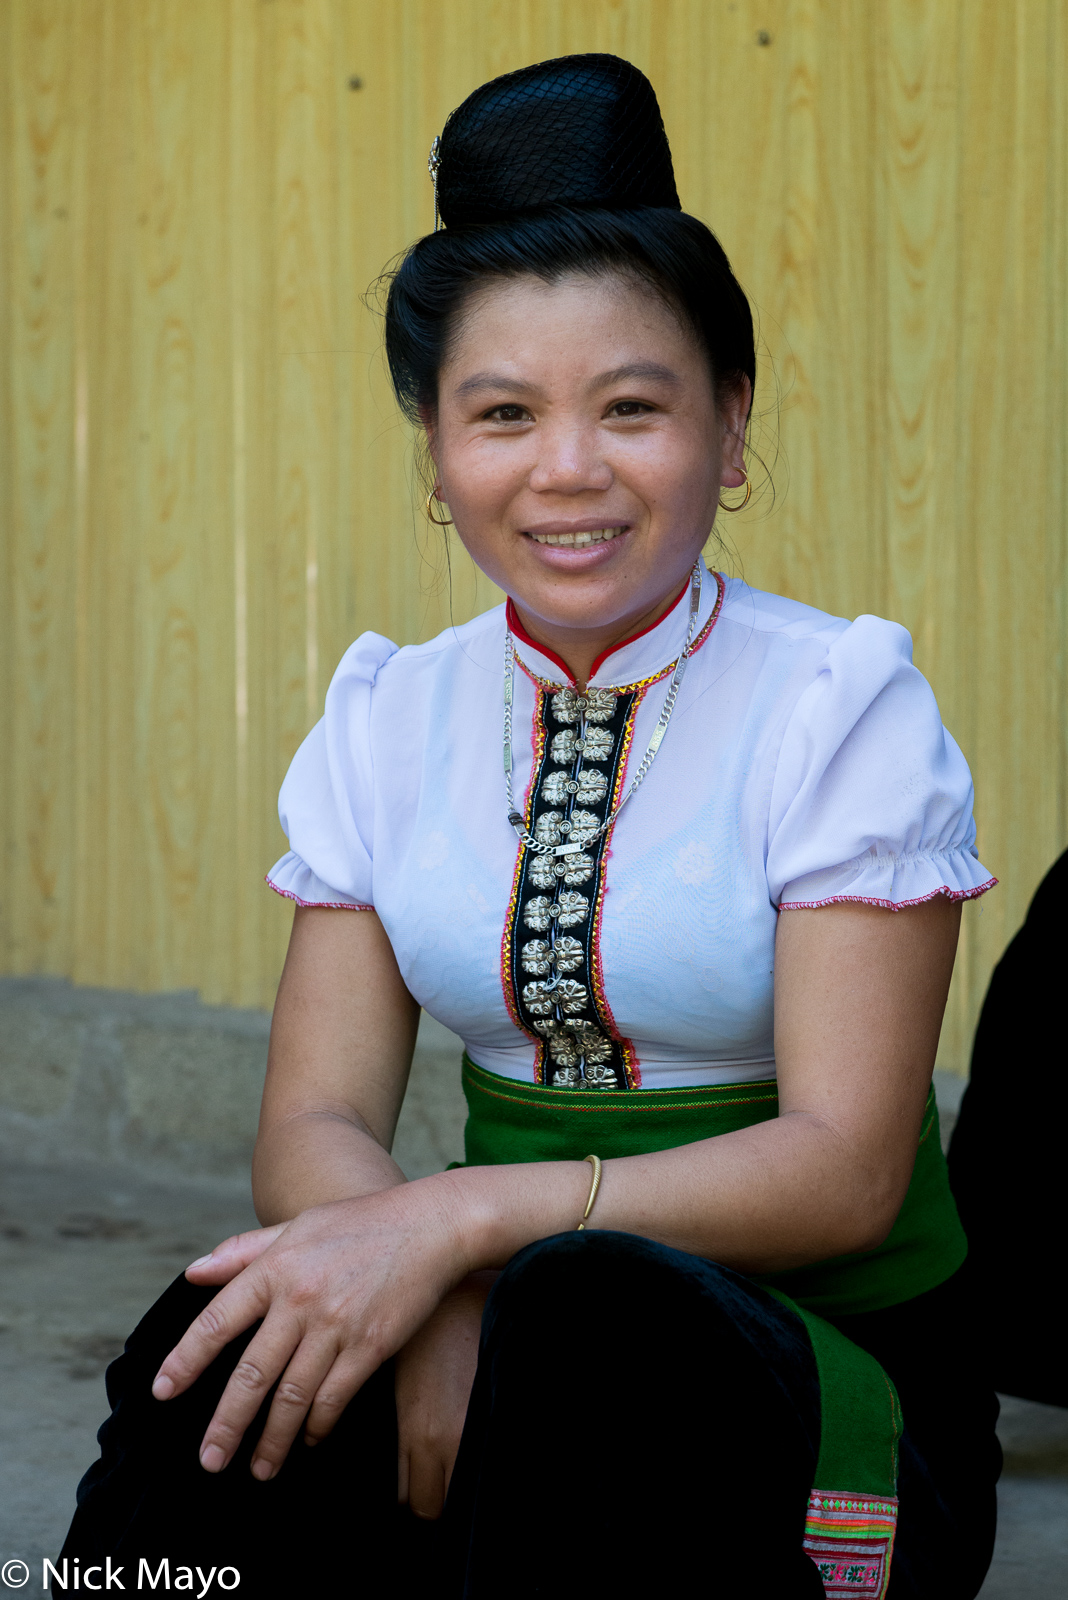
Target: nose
point(569, 461)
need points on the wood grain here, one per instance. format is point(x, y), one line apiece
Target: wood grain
point(206, 492)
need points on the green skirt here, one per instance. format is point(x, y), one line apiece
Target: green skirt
point(852, 1510)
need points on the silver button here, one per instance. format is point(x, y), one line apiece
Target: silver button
point(561, 869)
point(572, 787)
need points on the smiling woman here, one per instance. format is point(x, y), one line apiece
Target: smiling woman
point(674, 1313)
point(585, 490)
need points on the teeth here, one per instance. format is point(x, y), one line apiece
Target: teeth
point(578, 541)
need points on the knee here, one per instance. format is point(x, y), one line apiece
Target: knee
point(583, 1280)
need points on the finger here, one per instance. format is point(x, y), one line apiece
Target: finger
point(314, 1371)
point(233, 1255)
point(426, 1483)
point(263, 1363)
point(235, 1308)
point(348, 1375)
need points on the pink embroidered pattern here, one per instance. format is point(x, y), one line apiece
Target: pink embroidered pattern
point(888, 905)
point(851, 1540)
point(316, 905)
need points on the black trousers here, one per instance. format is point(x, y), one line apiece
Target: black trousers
point(642, 1420)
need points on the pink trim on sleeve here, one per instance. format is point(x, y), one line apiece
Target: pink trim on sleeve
point(888, 905)
point(316, 905)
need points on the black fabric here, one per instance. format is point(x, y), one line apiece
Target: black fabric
point(1006, 1160)
point(580, 131)
point(640, 1416)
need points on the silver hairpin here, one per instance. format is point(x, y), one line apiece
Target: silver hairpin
point(432, 167)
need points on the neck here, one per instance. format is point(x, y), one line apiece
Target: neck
point(582, 649)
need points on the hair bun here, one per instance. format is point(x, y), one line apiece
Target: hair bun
point(581, 131)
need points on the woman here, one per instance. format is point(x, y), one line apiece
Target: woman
point(709, 1375)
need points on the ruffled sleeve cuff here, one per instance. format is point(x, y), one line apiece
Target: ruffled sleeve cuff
point(294, 879)
point(872, 799)
point(891, 881)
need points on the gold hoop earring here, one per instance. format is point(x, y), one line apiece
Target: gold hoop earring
point(748, 492)
point(430, 517)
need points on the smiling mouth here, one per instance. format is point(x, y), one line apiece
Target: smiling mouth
point(578, 541)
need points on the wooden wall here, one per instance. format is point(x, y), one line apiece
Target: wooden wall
point(206, 494)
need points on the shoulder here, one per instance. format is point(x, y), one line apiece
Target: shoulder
point(802, 641)
point(778, 620)
point(373, 660)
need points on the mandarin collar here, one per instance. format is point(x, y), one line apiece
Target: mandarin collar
point(643, 655)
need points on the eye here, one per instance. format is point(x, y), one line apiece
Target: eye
point(629, 408)
point(507, 413)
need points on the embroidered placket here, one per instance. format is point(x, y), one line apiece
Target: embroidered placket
point(581, 749)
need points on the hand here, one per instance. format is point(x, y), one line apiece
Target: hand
point(434, 1374)
point(340, 1289)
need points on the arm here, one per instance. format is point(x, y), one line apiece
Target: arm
point(859, 997)
point(859, 1000)
point(341, 1047)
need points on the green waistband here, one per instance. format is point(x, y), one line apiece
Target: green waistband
point(511, 1122)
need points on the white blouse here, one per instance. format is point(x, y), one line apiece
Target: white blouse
point(805, 763)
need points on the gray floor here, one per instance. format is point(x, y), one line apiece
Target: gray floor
point(84, 1249)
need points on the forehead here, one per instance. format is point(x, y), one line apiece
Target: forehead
point(568, 322)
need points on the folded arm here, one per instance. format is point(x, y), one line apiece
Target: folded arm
point(859, 996)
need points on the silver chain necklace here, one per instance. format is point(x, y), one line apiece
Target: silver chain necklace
point(515, 817)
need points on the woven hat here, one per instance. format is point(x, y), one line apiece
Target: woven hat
point(581, 131)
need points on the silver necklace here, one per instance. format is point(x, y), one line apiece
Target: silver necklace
point(515, 817)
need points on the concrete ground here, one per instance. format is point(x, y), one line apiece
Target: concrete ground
point(85, 1248)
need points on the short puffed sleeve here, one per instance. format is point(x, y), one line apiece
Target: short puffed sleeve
point(326, 804)
point(872, 799)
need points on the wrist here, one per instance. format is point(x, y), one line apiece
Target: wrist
point(495, 1211)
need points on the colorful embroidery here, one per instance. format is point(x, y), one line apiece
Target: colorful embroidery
point(851, 1540)
point(552, 977)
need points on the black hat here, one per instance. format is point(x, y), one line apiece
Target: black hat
point(580, 131)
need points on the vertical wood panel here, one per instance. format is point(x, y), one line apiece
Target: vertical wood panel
point(39, 531)
point(206, 492)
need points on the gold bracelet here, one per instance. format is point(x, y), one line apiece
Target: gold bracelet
point(595, 1163)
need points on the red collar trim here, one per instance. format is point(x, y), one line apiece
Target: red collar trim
point(517, 628)
point(512, 619)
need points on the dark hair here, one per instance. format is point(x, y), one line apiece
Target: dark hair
point(560, 168)
point(677, 256)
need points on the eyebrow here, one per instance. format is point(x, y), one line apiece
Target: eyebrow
point(647, 371)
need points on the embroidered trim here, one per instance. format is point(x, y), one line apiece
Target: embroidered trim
point(511, 915)
point(550, 685)
point(512, 618)
point(631, 1065)
point(548, 951)
point(316, 905)
point(851, 1540)
point(888, 905)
